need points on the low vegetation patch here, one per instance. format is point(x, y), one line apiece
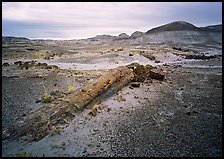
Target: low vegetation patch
point(94, 110)
point(46, 98)
point(44, 56)
point(71, 89)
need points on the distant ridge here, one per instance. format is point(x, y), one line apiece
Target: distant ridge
point(11, 39)
point(174, 32)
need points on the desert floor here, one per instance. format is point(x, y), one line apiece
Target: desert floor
point(179, 116)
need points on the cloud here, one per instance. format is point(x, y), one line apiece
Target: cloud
point(87, 19)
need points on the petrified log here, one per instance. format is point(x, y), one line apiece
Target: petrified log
point(40, 122)
point(118, 77)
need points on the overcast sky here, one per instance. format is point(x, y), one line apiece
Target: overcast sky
point(77, 20)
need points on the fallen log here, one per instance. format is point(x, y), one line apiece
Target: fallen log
point(117, 78)
point(40, 123)
point(44, 120)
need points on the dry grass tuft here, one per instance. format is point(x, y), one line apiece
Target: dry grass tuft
point(94, 110)
point(46, 98)
point(71, 89)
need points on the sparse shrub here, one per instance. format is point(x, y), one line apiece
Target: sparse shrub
point(40, 56)
point(151, 57)
point(71, 89)
point(23, 154)
point(46, 57)
point(64, 100)
point(95, 108)
point(120, 98)
point(56, 93)
point(46, 98)
point(55, 130)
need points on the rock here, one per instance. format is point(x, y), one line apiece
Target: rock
point(192, 113)
point(149, 56)
point(203, 57)
point(54, 67)
point(132, 65)
point(5, 64)
point(120, 49)
point(84, 150)
point(108, 109)
point(130, 54)
point(157, 61)
point(135, 84)
point(156, 74)
point(38, 101)
point(177, 48)
point(165, 64)
point(140, 74)
point(19, 63)
point(147, 70)
point(181, 49)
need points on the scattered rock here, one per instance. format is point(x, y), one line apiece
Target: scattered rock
point(120, 49)
point(181, 49)
point(203, 57)
point(132, 65)
point(108, 109)
point(5, 64)
point(192, 113)
point(38, 101)
point(84, 150)
point(19, 63)
point(165, 64)
point(157, 74)
point(150, 56)
point(135, 84)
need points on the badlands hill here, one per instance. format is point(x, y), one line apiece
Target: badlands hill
point(174, 26)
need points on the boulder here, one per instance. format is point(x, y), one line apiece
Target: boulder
point(5, 64)
point(156, 74)
point(147, 70)
point(140, 74)
point(135, 84)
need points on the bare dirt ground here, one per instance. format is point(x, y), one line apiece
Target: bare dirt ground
point(180, 116)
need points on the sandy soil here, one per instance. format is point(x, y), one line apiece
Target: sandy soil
point(180, 116)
